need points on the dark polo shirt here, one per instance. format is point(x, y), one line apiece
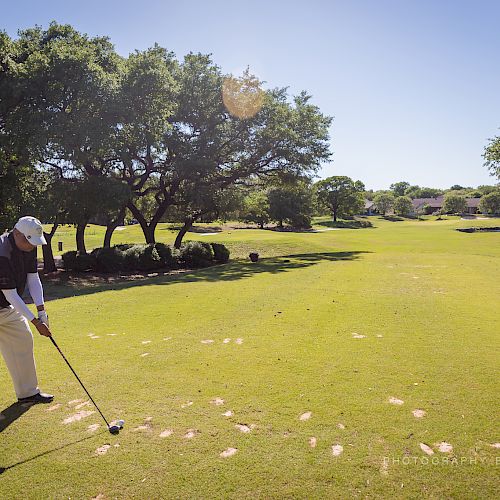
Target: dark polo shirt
point(14, 266)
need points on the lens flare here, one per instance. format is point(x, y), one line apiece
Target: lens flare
point(242, 96)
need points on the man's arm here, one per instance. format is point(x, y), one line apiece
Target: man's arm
point(18, 304)
point(36, 292)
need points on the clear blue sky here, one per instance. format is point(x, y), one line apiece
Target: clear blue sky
point(413, 85)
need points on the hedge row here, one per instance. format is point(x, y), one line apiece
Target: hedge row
point(142, 257)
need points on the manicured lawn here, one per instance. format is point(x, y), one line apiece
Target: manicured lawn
point(334, 323)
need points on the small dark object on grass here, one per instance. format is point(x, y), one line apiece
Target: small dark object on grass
point(254, 256)
point(286, 260)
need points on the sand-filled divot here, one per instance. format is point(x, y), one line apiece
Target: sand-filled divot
point(207, 341)
point(217, 401)
point(144, 354)
point(312, 442)
point(74, 402)
point(111, 334)
point(426, 449)
point(228, 413)
point(144, 342)
point(239, 341)
point(103, 449)
point(78, 416)
point(358, 336)
point(396, 401)
point(244, 428)
point(444, 447)
point(93, 427)
point(93, 337)
point(495, 445)
point(191, 433)
point(228, 453)
point(226, 341)
point(167, 338)
point(341, 426)
point(81, 405)
point(51, 408)
point(185, 405)
point(147, 426)
point(337, 450)
point(166, 433)
point(419, 413)
point(379, 336)
point(305, 416)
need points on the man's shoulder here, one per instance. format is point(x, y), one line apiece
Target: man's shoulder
point(5, 246)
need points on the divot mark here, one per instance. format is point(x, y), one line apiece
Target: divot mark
point(189, 403)
point(444, 447)
point(50, 408)
point(93, 427)
point(305, 416)
point(98, 497)
point(81, 405)
point(341, 426)
point(243, 428)
point(191, 433)
point(358, 336)
point(167, 338)
point(166, 433)
point(379, 336)
point(337, 450)
point(144, 342)
point(143, 355)
point(426, 449)
point(93, 337)
point(239, 341)
point(75, 401)
point(217, 401)
point(419, 413)
point(111, 334)
point(312, 442)
point(78, 416)
point(228, 413)
point(228, 453)
point(226, 341)
point(395, 401)
point(103, 449)
point(207, 341)
point(495, 445)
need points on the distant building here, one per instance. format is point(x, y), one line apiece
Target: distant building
point(437, 203)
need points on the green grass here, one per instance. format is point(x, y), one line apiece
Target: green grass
point(429, 291)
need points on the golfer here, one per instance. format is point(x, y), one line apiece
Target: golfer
point(18, 268)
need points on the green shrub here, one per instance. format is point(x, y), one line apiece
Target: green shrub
point(167, 255)
point(108, 260)
point(221, 253)
point(142, 258)
point(75, 261)
point(196, 254)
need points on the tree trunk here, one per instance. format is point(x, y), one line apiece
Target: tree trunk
point(49, 265)
point(188, 222)
point(111, 227)
point(80, 238)
point(261, 225)
point(335, 216)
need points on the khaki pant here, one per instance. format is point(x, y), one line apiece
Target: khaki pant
point(16, 345)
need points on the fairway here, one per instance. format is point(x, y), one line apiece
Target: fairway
point(345, 363)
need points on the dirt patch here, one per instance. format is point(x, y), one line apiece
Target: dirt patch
point(226, 341)
point(396, 401)
point(419, 413)
point(166, 433)
point(305, 416)
point(147, 426)
point(495, 445)
point(207, 341)
point(93, 427)
point(191, 433)
point(81, 405)
point(444, 447)
point(144, 354)
point(426, 449)
point(53, 407)
point(144, 342)
point(228, 453)
point(239, 341)
point(167, 338)
point(312, 442)
point(245, 429)
point(341, 426)
point(358, 336)
point(74, 402)
point(185, 405)
point(103, 449)
point(217, 401)
point(78, 416)
point(228, 413)
point(337, 450)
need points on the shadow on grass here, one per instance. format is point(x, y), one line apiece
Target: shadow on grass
point(347, 224)
point(69, 284)
point(4, 469)
point(12, 413)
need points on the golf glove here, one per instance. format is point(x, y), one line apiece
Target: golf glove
point(43, 317)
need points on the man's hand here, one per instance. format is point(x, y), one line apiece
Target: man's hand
point(43, 317)
point(42, 328)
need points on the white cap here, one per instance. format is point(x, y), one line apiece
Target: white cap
point(32, 229)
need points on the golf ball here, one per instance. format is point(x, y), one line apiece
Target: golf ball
point(121, 423)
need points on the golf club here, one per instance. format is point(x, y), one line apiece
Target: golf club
point(113, 429)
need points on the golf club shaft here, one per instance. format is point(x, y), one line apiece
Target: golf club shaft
point(78, 378)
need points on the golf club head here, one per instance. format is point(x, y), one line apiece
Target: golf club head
point(114, 429)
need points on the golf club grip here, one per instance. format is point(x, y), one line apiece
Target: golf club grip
point(78, 378)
